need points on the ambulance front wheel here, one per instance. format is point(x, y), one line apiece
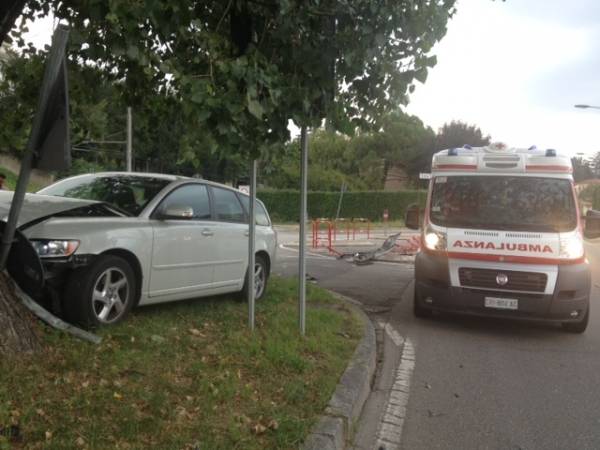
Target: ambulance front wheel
point(418, 310)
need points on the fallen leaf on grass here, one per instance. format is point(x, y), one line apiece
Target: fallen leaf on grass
point(157, 339)
point(48, 435)
point(80, 442)
point(273, 424)
point(196, 332)
point(85, 384)
point(259, 429)
point(242, 418)
point(117, 396)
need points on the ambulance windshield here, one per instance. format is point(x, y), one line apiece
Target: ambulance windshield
point(503, 203)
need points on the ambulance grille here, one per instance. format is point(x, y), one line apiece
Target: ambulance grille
point(501, 165)
point(480, 233)
point(517, 281)
point(523, 235)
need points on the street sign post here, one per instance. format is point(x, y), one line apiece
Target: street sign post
point(48, 146)
point(251, 246)
point(302, 233)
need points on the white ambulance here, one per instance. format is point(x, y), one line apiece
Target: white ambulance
point(502, 236)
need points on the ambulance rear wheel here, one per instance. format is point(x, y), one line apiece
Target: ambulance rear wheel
point(418, 310)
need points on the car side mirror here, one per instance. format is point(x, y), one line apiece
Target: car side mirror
point(176, 212)
point(592, 224)
point(412, 217)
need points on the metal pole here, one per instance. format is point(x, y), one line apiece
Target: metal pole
point(53, 66)
point(251, 245)
point(343, 188)
point(302, 235)
point(129, 141)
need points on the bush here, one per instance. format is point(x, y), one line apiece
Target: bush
point(284, 205)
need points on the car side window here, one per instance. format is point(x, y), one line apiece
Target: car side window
point(227, 206)
point(262, 218)
point(194, 196)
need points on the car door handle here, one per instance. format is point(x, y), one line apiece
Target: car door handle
point(207, 233)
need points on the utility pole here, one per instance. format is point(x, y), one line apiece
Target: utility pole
point(129, 141)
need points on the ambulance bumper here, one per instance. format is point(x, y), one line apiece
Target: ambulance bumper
point(568, 303)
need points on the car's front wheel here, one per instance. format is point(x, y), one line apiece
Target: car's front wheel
point(101, 294)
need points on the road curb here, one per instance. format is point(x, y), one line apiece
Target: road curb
point(335, 428)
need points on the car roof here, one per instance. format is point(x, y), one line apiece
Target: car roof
point(179, 179)
point(164, 176)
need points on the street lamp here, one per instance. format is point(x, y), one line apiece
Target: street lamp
point(587, 106)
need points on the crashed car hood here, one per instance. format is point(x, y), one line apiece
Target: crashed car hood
point(36, 206)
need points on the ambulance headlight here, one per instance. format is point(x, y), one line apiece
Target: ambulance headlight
point(434, 240)
point(571, 246)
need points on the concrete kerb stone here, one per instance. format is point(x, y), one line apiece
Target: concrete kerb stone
point(335, 427)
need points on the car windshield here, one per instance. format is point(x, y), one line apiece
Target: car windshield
point(128, 193)
point(503, 203)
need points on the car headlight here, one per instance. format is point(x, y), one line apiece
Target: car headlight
point(434, 240)
point(49, 248)
point(571, 246)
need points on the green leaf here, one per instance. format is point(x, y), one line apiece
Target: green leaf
point(255, 109)
point(133, 52)
point(197, 97)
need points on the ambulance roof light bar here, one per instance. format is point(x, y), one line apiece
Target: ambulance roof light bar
point(533, 147)
point(550, 152)
point(453, 152)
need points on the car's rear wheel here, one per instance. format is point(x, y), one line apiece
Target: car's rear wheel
point(261, 277)
point(101, 294)
point(418, 310)
point(577, 327)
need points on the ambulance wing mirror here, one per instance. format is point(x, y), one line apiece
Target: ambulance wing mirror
point(412, 217)
point(592, 224)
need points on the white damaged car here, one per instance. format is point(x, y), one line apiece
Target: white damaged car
point(111, 241)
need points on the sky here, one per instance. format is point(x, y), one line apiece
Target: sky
point(515, 69)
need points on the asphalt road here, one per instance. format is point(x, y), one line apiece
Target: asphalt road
point(477, 383)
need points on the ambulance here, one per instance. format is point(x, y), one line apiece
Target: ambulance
point(502, 236)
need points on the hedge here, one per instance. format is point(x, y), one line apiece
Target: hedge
point(283, 205)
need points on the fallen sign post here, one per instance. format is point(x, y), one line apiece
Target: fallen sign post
point(368, 257)
point(48, 148)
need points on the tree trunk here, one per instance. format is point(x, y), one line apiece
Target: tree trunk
point(19, 331)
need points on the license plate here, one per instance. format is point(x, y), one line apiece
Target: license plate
point(501, 303)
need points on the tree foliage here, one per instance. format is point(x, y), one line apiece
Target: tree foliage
point(360, 161)
point(242, 68)
point(582, 169)
point(456, 134)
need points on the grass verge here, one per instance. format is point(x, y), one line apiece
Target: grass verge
point(186, 375)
